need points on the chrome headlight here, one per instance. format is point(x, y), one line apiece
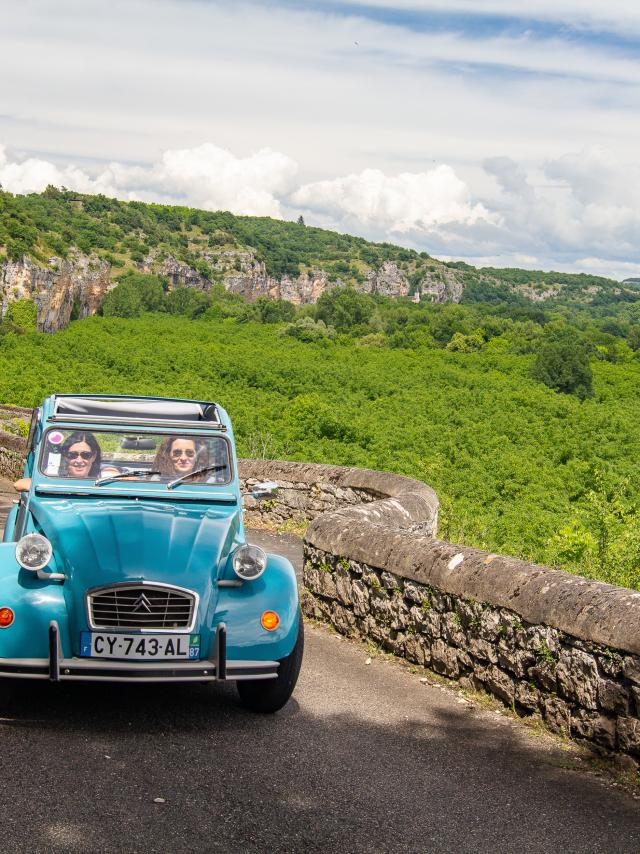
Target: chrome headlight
point(249, 562)
point(33, 552)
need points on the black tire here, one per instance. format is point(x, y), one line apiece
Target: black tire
point(270, 695)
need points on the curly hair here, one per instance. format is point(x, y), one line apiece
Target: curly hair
point(163, 462)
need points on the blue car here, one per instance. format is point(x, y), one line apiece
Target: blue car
point(125, 559)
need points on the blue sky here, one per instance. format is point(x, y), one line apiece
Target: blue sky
point(501, 132)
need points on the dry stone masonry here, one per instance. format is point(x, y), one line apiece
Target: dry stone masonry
point(542, 641)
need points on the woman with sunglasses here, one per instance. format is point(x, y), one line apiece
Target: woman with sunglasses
point(178, 456)
point(81, 456)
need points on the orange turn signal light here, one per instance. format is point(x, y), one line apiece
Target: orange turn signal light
point(6, 617)
point(270, 620)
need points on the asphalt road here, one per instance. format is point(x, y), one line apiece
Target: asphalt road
point(364, 758)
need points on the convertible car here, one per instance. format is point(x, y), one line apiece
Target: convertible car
point(125, 558)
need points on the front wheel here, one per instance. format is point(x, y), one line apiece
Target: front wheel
point(269, 695)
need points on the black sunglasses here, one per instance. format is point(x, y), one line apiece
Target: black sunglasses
point(73, 455)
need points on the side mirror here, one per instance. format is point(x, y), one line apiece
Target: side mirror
point(268, 489)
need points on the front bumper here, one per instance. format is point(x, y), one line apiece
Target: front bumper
point(56, 668)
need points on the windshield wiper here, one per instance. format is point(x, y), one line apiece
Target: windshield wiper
point(133, 473)
point(204, 470)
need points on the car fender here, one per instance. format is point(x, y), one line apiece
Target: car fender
point(34, 603)
point(241, 608)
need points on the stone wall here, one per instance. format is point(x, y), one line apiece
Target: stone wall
point(540, 640)
point(12, 444)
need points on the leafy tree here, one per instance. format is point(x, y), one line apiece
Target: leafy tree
point(265, 310)
point(466, 343)
point(150, 288)
point(308, 329)
point(22, 314)
point(345, 308)
point(563, 364)
point(123, 301)
point(187, 301)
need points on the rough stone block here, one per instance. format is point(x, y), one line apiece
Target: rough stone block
point(499, 684)
point(483, 649)
point(401, 618)
point(577, 677)
point(465, 662)
point(543, 639)
point(343, 619)
point(327, 584)
point(594, 727)
point(629, 735)
point(488, 625)
point(417, 618)
point(360, 597)
point(613, 697)
point(470, 682)
point(380, 605)
point(415, 650)
point(468, 612)
point(452, 630)
point(544, 674)
point(371, 578)
point(631, 667)
point(634, 692)
point(518, 661)
point(310, 606)
point(527, 696)
point(433, 624)
point(390, 581)
point(415, 592)
point(311, 578)
point(343, 585)
point(557, 715)
point(444, 658)
point(611, 665)
point(441, 601)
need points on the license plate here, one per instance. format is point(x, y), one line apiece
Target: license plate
point(139, 647)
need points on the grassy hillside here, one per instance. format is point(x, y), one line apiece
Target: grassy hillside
point(519, 468)
point(55, 222)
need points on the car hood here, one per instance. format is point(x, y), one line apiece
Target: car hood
point(102, 542)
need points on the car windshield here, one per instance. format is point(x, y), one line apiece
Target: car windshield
point(108, 456)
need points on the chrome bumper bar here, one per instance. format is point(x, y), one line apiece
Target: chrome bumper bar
point(56, 668)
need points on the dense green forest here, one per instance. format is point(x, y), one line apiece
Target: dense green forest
point(519, 468)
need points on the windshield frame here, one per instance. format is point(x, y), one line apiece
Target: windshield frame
point(122, 432)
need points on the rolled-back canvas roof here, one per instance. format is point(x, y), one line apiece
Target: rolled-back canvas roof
point(140, 408)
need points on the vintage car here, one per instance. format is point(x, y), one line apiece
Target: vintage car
point(125, 558)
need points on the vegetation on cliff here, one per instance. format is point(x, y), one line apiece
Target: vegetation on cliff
point(57, 222)
point(520, 469)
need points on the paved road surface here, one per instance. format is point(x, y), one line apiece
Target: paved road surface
point(364, 758)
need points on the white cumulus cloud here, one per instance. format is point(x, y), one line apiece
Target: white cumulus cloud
point(398, 204)
point(207, 177)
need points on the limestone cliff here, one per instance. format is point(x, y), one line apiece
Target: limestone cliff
point(79, 281)
point(242, 273)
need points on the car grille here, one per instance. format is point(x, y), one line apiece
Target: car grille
point(141, 606)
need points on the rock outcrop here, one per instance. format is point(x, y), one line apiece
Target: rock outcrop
point(77, 286)
point(80, 281)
